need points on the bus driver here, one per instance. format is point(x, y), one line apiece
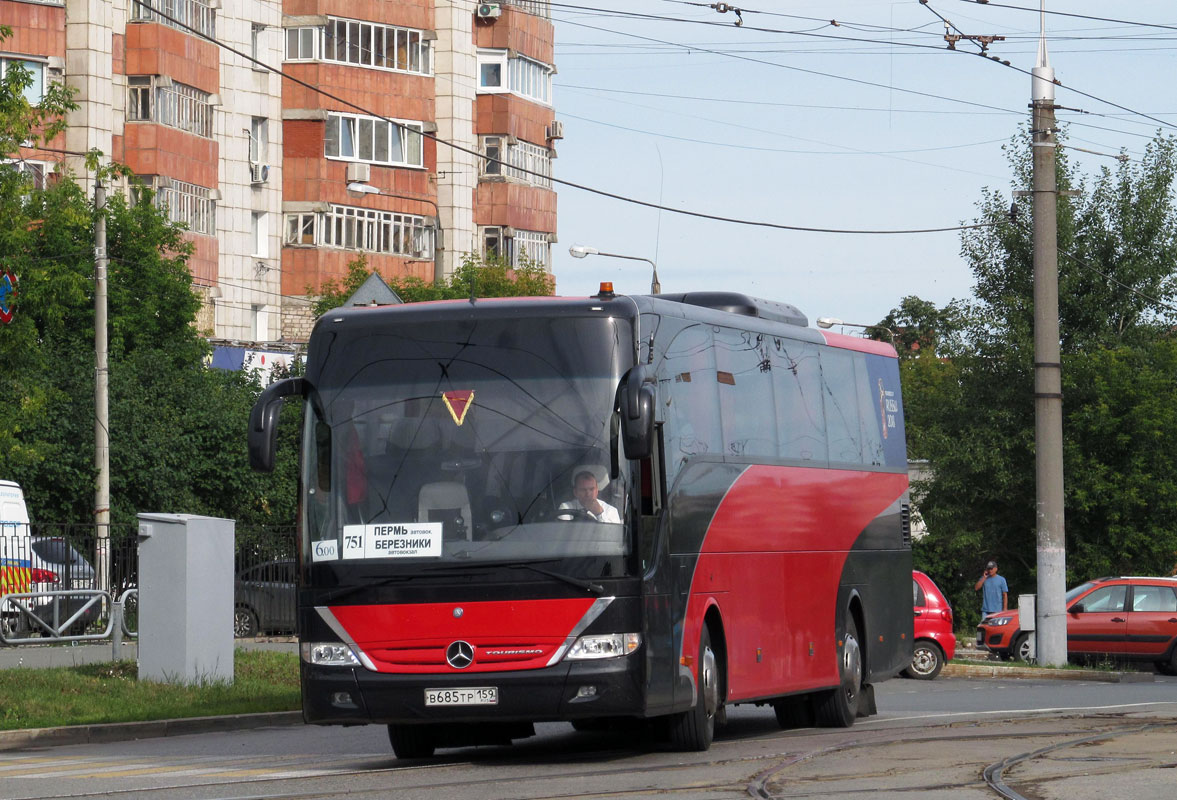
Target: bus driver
point(584, 487)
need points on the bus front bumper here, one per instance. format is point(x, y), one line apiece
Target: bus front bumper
point(568, 690)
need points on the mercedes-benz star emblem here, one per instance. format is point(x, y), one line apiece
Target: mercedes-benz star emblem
point(460, 654)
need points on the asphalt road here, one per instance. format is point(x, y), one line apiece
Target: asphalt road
point(931, 739)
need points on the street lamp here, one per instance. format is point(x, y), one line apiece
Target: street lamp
point(829, 322)
point(356, 189)
point(580, 251)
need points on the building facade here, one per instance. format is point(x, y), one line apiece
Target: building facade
point(408, 132)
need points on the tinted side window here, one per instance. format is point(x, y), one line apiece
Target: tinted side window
point(872, 413)
point(840, 399)
point(1154, 598)
point(917, 594)
point(796, 382)
point(688, 397)
point(1109, 598)
point(744, 379)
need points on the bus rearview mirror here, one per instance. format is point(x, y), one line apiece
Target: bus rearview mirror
point(263, 421)
point(637, 419)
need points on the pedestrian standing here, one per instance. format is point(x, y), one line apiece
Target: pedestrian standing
point(994, 591)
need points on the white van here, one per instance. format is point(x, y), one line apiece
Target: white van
point(15, 545)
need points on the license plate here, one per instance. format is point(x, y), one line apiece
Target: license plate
point(472, 696)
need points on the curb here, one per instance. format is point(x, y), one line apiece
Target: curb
point(1043, 673)
point(127, 731)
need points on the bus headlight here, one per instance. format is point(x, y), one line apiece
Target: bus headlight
point(328, 655)
point(608, 645)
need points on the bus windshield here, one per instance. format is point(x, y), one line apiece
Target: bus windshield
point(466, 441)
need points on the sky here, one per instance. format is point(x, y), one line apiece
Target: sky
point(871, 123)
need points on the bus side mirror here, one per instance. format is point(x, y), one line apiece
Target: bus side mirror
point(263, 421)
point(637, 413)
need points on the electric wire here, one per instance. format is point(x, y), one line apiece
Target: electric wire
point(562, 182)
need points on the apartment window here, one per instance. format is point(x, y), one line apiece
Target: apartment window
point(531, 246)
point(259, 230)
point(302, 44)
point(363, 229)
point(260, 323)
point(189, 205)
point(518, 246)
point(159, 99)
point(540, 8)
point(358, 138)
point(35, 91)
point(522, 161)
point(300, 228)
point(498, 72)
point(197, 14)
point(259, 140)
point(365, 44)
point(34, 172)
point(492, 71)
point(255, 41)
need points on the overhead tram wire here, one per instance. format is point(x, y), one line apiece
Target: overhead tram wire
point(984, 54)
point(745, 27)
point(1134, 23)
point(562, 182)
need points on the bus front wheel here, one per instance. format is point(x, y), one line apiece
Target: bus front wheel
point(837, 708)
point(411, 741)
point(693, 730)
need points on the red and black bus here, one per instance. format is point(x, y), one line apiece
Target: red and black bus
point(454, 588)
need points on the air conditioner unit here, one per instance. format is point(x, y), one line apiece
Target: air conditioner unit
point(259, 173)
point(556, 129)
point(488, 11)
point(359, 172)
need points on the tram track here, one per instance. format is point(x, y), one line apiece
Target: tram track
point(809, 763)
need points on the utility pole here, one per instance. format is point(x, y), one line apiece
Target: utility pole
point(1051, 619)
point(101, 395)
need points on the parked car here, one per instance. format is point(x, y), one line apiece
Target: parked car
point(264, 599)
point(55, 565)
point(1124, 619)
point(934, 642)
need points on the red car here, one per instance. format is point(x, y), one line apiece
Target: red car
point(1124, 619)
point(934, 640)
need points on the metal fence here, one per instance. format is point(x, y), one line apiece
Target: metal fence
point(51, 584)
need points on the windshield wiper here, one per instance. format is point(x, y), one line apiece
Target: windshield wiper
point(580, 583)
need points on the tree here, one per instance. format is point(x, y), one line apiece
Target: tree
point(490, 276)
point(971, 411)
point(177, 428)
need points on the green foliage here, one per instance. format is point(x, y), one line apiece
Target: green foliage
point(970, 408)
point(177, 429)
point(490, 276)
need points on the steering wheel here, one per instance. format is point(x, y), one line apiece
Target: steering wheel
point(574, 515)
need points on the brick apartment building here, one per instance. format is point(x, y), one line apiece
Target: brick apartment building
point(280, 185)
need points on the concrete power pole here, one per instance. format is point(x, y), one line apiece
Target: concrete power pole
point(1051, 620)
point(101, 395)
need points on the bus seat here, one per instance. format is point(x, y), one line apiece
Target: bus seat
point(446, 502)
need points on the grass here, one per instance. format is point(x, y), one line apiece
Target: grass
point(112, 692)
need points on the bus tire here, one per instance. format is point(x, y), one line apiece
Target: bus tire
point(793, 712)
point(838, 708)
point(411, 741)
point(693, 730)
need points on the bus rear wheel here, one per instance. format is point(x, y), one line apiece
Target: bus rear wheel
point(694, 730)
point(838, 708)
point(411, 741)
